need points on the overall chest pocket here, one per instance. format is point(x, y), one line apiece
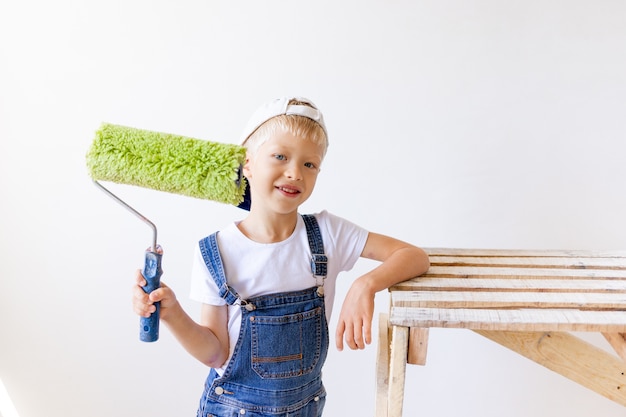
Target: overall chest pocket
point(288, 345)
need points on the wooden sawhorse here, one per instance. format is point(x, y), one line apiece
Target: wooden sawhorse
point(527, 301)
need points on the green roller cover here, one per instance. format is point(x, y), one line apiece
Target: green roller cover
point(167, 162)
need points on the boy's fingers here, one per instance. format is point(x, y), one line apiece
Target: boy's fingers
point(367, 330)
point(142, 306)
point(156, 295)
point(349, 337)
point(357, 335)
point(147, 311)
point(357, 338)
point(139, 279)
point(139, 295)
point(339, 336)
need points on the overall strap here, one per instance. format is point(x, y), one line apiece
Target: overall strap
point(319, 260)
point(213, 261)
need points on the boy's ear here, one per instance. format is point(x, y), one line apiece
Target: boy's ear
point(246, 166)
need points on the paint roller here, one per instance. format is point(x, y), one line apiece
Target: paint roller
point(165, 162)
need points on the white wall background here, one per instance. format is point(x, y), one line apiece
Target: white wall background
point(494, 124)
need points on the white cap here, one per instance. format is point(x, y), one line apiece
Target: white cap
point(279, 107)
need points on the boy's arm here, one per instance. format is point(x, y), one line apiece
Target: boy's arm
point(208, 341)
point(400, 261)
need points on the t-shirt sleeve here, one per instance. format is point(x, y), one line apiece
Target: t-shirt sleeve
point(346, 238)
point(203, 288)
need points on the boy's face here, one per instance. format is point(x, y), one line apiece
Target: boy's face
point(283, 171)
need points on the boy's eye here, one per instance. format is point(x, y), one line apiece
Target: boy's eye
point(280, 157)
point(310, 165)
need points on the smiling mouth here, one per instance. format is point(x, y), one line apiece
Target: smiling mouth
point(288, 190)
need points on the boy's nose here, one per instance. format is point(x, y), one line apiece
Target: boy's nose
point(293, 172)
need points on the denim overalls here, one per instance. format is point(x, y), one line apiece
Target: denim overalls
point(275, 369)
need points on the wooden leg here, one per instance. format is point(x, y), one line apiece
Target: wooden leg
point(382, 366)
point(397, 369)
point(571, 357)
point(418, 345)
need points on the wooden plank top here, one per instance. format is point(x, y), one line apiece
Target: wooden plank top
point(518, 290)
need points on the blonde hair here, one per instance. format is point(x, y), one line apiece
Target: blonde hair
point(300, 126)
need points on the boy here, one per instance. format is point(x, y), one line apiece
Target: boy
point(267, 282)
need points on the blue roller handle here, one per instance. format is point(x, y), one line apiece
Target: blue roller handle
point(149, 326)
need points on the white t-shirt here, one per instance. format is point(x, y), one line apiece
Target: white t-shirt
point(253, 269)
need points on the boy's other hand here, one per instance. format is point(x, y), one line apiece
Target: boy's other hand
point(355, 319)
